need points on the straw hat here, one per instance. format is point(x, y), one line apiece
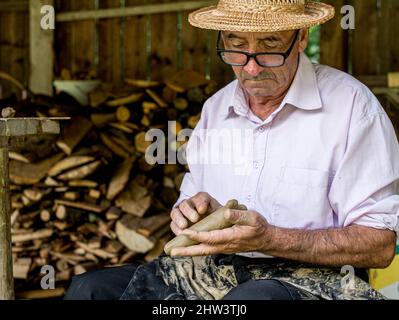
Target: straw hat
point(262, 15)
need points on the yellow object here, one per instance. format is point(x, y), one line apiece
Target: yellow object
point(387, 280)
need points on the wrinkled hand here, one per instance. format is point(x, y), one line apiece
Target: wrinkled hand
point(250, 232)
point(192, 210)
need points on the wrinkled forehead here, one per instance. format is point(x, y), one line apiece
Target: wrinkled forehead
point(278, 36)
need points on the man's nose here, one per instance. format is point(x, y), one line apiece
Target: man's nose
point(252, 68)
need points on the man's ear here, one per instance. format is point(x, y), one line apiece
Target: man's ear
point(303, 39)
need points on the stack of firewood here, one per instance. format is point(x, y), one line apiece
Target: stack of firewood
point(89, 198)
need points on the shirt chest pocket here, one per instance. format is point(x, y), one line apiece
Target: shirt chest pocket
point(300, 199)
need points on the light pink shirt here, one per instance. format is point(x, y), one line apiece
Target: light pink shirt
point(328, 157)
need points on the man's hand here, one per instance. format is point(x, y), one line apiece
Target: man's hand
point(192, 210)
point(249, 233)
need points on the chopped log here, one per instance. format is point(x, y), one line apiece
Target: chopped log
point(33, 195)
point(150, 225)
point(71, 258)
point(95, 194)
point(122, 127)
point(31, 173)
point(40, 294)
point(83, 183)
point(61, 189)
point(65, 275)
point(158, 248)
point(94, 243)
point(180, 104)
point(61, 212)
point(79, 269)
point(74, 134)
point(140, 142)
point(127, 234)
point(159, 101)
point(113, 246)
point(41, 234)
point(18, 157)
point(71, 195)
point(14, 217)
point(61, 265)
point(80, 251)
point(69, 163)
point(21, 268)
point(45, 215)
point(98, 252)
point(124, 143)
point(97, 98)
point(149, 107)
point(168, 182)
point(113, 213)
point(125, 100)
point(51, 182)
point(123, 114)
point(91, 257)
point(61, 225)
point(82, 172)
point(185, 80)
point(132, 125)
point(144, 84)
point(175, 87)
point(145, 121)
point(81, 205)
point(119, 179)
point(101, 120)
point(134, 200)
point(113, 146)
point(105, 229)
point(128, 256)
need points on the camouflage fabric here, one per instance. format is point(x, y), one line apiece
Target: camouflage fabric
point(200, 278)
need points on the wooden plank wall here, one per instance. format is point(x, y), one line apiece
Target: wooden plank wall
point(152, 47)
point(14, 47)
point(156, 46)
point(372, 48)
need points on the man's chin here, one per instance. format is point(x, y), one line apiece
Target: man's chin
point(259, 91)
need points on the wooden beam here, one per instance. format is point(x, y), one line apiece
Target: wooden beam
point(132, 11)
point(6, 267)
point(41, 51)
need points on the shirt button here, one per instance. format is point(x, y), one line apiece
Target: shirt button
point(249, 198)
point(256, 165)
point(262, 128)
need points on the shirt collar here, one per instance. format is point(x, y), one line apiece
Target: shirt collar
point(303, 93)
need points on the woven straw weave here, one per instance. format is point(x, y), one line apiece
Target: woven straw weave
point(262, 15)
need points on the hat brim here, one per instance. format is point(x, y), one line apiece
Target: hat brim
point(315, 13)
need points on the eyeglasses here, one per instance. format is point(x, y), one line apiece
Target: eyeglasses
point(263, 59)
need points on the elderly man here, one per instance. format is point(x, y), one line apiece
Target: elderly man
point(320, 183)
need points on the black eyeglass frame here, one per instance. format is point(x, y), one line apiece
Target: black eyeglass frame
point(285, 55)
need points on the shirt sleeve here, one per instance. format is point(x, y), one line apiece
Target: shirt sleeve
point(365, 187)
point(192, 181)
